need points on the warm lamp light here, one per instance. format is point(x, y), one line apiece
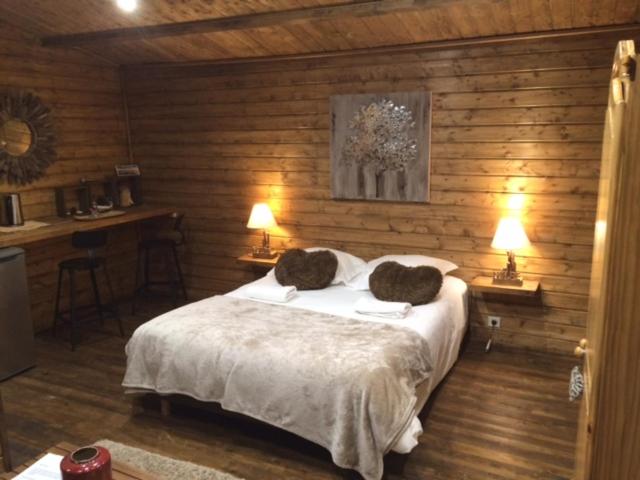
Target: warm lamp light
point(261, 218)
point(510, 236)
point(127, 5)
point(516, 202)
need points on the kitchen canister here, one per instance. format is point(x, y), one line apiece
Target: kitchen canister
point(87, 463)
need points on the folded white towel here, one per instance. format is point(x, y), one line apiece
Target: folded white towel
point(271, 293)
point(378, 308)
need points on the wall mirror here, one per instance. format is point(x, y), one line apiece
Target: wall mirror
point(27, 139)
point(16, 136)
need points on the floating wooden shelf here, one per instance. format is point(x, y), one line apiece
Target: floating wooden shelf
point(259, 262)
point(486, 285)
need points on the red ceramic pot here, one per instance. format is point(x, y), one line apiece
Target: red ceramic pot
point(87, 463)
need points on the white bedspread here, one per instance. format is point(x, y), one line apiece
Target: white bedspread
point(442, 323)
point(342, 383)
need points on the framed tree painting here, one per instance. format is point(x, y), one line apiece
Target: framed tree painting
point(380, 146)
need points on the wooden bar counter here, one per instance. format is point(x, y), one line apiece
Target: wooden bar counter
point(61, 227)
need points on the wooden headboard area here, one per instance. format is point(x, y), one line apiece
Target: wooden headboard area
point(520, 117)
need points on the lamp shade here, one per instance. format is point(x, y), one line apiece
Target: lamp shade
point(261, 217)
point(510, 235)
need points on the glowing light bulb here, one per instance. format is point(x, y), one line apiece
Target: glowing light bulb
point(516, 202)
point(127, 5)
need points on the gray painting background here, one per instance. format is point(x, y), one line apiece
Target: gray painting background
point(344, 179)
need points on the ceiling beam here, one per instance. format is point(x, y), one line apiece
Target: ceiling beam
point(610, 31)
point(243, 22)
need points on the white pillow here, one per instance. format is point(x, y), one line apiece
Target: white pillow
point(348, 265)
point(361, 281)
point(445, 266)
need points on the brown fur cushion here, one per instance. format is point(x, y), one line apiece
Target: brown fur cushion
point(306, 270)
point(393, 282)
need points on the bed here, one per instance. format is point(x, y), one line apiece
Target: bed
point(180, 351)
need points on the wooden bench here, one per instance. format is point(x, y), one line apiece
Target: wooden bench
point(5, 454)
point(120, 471)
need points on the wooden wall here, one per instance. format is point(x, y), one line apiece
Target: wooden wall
point(84, 95)
point(523, 118)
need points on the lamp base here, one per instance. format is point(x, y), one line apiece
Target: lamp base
point(264, 252)
point(506, 277)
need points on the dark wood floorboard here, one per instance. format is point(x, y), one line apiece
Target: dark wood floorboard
point(499, 416)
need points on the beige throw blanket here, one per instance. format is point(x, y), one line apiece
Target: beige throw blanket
point(345, 384)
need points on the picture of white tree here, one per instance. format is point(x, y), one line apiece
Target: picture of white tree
point(380, 146)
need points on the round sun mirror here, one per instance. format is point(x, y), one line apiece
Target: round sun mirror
point(27, 138)
point(15, 137)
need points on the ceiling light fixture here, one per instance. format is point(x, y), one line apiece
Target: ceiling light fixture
point(127, 5)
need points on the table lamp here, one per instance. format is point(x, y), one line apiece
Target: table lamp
point(510, 236)
point(262, 218)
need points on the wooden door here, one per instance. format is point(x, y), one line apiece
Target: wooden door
point(609, 434)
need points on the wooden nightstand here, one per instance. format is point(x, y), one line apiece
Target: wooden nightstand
point(485, 285)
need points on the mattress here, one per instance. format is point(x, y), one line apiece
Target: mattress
point(442, 323)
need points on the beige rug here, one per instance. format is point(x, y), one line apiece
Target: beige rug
point(160, 466)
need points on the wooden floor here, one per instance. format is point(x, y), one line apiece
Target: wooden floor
point(497, 416)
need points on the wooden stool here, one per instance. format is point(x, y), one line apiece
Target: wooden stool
point(4, 440)
point(91, 241)
point(168, 242)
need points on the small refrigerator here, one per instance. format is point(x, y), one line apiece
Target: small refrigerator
point(17, 348)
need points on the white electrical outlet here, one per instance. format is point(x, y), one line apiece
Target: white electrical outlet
point(494, 321)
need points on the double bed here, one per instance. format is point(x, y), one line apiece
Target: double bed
point(352, 383)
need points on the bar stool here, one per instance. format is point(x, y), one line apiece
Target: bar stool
point(167, 242)
point(90, 241)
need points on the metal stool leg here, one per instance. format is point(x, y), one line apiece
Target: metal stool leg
point(96, 295)
point(172, 277)
point(179, 270)
point(72, 310)
point(56, 314)
point(146, 269)
point(113, 300)
point(136, 285)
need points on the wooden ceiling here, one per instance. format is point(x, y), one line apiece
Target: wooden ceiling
point(413, 22)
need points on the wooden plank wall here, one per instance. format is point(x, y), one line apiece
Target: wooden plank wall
point(523, 118)
point(84, 94)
